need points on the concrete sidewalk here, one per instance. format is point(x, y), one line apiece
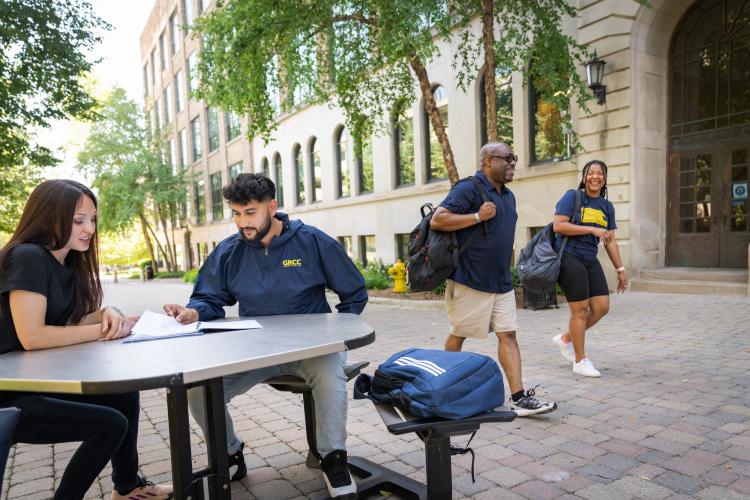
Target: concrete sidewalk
point(669, 418)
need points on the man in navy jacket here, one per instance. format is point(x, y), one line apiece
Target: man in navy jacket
point(274, 265)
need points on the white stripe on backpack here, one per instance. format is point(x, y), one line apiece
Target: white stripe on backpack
point(426, 362)
point(427, 366)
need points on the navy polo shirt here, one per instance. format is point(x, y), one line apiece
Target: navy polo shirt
point(485, 265)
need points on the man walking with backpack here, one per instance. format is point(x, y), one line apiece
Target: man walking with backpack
point(479, 295)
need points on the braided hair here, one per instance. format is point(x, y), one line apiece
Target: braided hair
point(586, 167)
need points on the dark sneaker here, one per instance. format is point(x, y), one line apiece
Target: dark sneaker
point(337, 476)
point(237, 467)
point(529, 405)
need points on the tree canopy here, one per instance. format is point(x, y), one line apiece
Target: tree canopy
point(531, 42)
point(136, 182)
point(42, 63)
point(261, 57)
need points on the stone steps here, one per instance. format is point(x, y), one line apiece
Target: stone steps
point(708, 281)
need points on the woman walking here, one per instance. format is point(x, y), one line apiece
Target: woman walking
point(581, 275)
point(50, 296)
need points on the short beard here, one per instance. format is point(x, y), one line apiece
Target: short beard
point(260, 232)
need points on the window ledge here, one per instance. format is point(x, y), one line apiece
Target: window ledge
point(545, 168)
point(370, 197)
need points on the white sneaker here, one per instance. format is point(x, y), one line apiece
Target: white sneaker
point(337, 477)
point(566, 349)
point(586, 368)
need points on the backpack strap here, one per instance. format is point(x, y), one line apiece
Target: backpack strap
point(485, 198)
point(579, 202)
point(483, 194)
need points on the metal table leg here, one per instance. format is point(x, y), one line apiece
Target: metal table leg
point(216, 482)
point(438, 463)
point(179, 445)
point(216, 440)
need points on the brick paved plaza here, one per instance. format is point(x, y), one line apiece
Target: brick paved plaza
point(669, 418)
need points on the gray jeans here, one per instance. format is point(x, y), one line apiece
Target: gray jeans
point(324, 374)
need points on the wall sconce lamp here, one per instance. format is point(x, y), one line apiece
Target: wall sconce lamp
point(594, 76)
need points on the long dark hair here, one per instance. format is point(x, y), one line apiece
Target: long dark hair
point(47, 221)
point(586, 167)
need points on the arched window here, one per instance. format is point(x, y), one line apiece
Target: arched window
point(365, 167)
point(403, 144)
point(503, 106)
point(433, 151)
point(264, 167)
point(711, 67)
point(299, 174)
point(315, 170)
point(343, 177)
point(547, 136)
point(279, 174)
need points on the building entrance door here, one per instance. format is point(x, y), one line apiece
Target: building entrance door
point(708, 207)
point(707, 203)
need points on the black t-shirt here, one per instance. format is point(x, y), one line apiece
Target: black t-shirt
point(32, 268)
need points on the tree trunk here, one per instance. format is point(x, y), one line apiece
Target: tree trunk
point(159, 246)
point(147, 239)
point(156, 240)
point(488, 40)
point(168, 253)
point(172, 223)
point(435, 119)
point(167, 246)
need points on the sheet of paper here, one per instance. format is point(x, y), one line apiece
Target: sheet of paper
point(142, 337)
point(240, 324)
point(159, 325)
point(154, 326)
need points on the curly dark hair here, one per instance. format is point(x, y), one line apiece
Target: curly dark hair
point(249, 187)
point(585, 170)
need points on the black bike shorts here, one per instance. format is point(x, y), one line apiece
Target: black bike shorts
point(581, 279)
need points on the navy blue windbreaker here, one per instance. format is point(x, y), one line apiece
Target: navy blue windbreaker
point(288, 277)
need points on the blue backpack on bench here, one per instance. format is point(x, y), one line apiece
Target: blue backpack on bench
point(431, 383)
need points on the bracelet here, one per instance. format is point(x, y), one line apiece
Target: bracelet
point(620, 269)
point(476, 217)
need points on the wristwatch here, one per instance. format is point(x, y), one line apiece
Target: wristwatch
point(620, 269)
point(476, 217)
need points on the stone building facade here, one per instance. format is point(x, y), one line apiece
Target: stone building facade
point(674, 130)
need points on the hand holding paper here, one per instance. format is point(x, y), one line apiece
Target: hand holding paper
point(182, 314)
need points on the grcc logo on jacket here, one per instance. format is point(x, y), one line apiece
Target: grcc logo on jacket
point(291, 263)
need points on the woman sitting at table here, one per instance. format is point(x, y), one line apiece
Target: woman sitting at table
point(50, 296)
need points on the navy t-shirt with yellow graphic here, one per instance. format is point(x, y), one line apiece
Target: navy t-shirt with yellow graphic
point(596, 212)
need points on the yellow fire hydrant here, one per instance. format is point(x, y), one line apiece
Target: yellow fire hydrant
point(398, 273)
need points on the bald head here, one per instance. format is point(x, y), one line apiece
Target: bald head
point(498, 163)
point(493, 148)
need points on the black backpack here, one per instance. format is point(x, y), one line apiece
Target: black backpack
point(538, 265)
point(433, 255)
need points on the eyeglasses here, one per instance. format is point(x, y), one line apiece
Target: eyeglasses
point(508, 158)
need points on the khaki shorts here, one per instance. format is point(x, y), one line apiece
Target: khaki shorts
point(474, 314)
